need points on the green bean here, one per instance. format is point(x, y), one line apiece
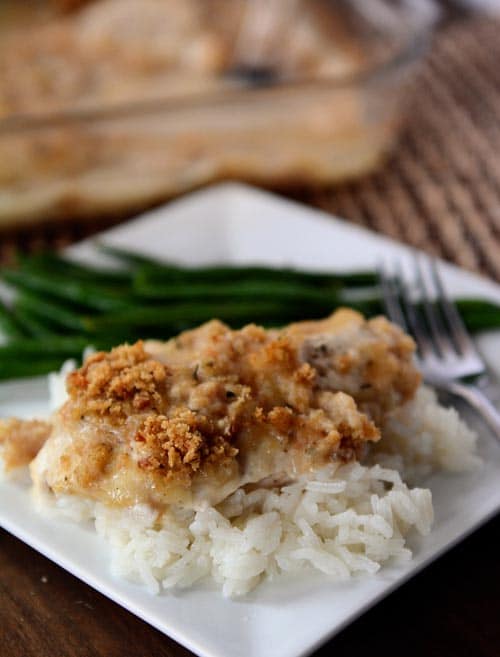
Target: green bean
point(368, 307)
point(106, 341)
point(72, 291)
point(49, 262)
point(41, 349)
point(158, 271)
point(157, 274)
point(131, 257)
point(9, 326)
point(32, 325)
point(57, 313)
point(22, 369)
point(479, 314)
point(173, 314)
point(246, 289)
point(175, 317)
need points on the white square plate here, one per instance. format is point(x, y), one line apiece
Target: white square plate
point(237, 224)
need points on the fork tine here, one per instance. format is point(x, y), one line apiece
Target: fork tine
point(459, 333)
point(443, 345)
point(390, 295)
point(401, 309)
point(417, 326)
point(400, 282)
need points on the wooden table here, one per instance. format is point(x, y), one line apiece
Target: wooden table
point(441, 192)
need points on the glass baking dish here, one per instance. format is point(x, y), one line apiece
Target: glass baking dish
point(253, 117)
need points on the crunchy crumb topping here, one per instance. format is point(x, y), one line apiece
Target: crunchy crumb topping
point(118, 383)
point(179, 444)
point(336, 427)
point(21, 440)
point(214, 406)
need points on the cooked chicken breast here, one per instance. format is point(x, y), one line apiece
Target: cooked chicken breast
point(21, 440)
point(190, 420)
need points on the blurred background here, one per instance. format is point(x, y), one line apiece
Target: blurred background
point(384, 112)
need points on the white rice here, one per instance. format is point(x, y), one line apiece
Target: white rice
point(346, 519)
point(342, 521)
point(423, 437)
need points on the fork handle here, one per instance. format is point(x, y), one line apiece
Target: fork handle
point(479, 402)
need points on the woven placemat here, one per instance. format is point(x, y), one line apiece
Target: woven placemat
point(440, 191)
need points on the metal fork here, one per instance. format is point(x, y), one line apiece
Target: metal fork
point(446, 354)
